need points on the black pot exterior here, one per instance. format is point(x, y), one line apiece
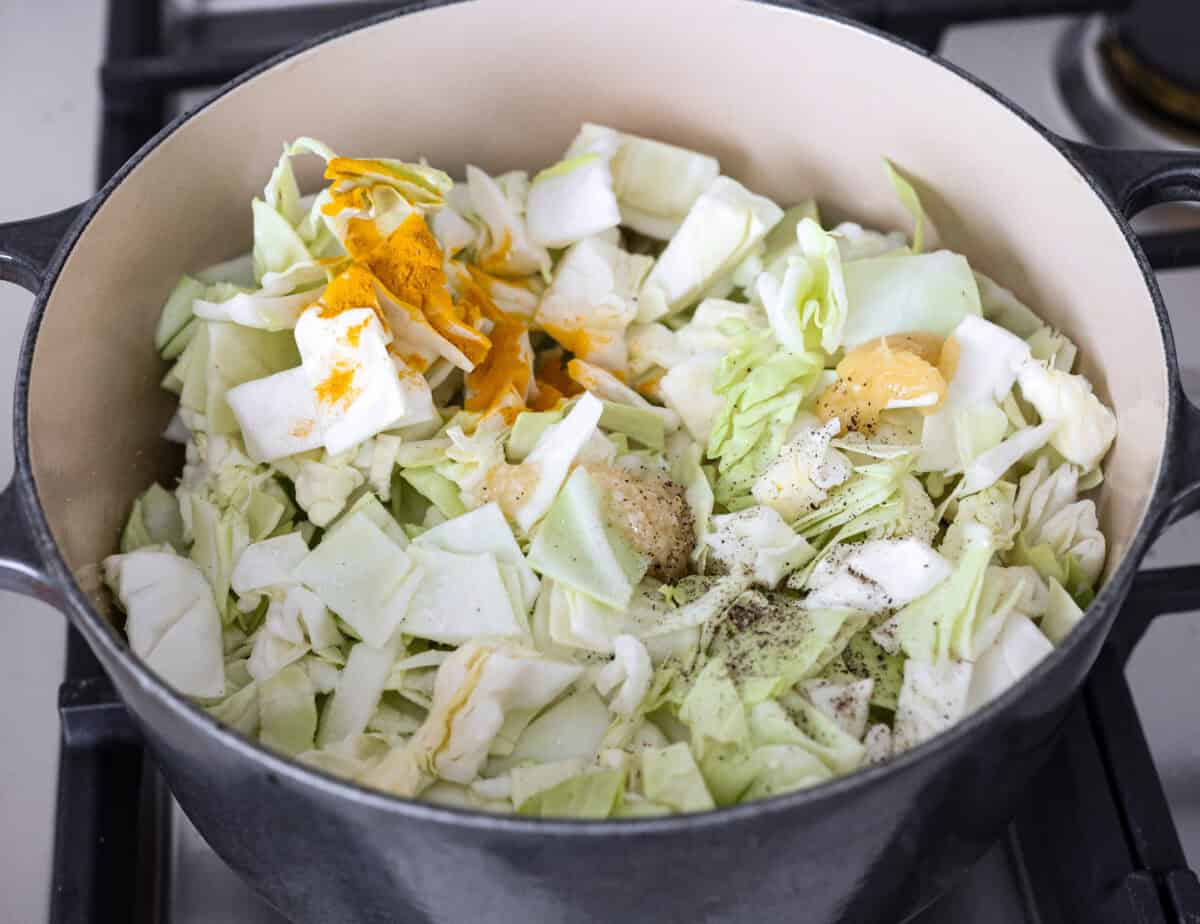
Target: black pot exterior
point(872, 847)
point(861, 854)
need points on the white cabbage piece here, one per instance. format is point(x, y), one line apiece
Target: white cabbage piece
point(572, 200)
point(1085, 427)
point(720, 229)
point(874, 576)
point(992, 508)
point(277, 244)
point(989, 467)
point(363, 576)
point(877, 743)
point(267, 564)
point(656, 183)
point(1047, 508)
point(758, 539)
point(606, 386)
point(858, 243)
point(592, 299)
point(806, 468)
point(1016, 651)
point(989, 358)
point(323, 487)
point(484, 531)
point(1053, 348)
point(358, 389)
point(845, 702)
point(508, 249)
point(572, 729)
point(360, 684)
point(628, 673)
point(459, 597)
point(933, 697)
point(471, 459)
point(172, 620)
point(688, 390)
point(264, 309)
point(716, 326)
point(278, 415)
point(477, 686)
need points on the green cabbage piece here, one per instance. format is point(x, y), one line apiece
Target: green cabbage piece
point(176, 316)
point(277, 245)
point(222, 355)
point(807, 307)
point(638, 423)
point(220, 537)
point(855, 505)
point(577, 546)
point(912, 203)
point(713, 710)
point(670, 777)
point(1062, 613)
point(287, 710)
point(774, 639)
point(866, 658)
point(941, 624)
point(573, 728)
point(172, 622)
point(762, 389)
point(239, 710)
point(595, 794)
point(904, 294)
point(437, 489)
point(154, 520)
point(527, 430)
point(837, 749)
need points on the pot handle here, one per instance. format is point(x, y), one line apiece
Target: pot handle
point(1134, 181)
point(27, 249)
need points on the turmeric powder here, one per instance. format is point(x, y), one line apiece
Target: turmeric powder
point(339, 387)
point(506, 370)
point(409, 265)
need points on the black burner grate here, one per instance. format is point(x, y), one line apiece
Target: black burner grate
point(1108, 850)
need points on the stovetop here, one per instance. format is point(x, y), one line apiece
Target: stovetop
point(1101, 840)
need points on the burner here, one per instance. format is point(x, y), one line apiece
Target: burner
point(1152, 52)
point(1133, 80)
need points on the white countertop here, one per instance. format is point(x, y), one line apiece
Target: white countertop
point(49, 106)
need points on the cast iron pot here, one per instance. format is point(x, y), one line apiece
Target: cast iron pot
point(794, 103)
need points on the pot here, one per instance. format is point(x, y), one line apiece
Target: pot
point(1043, 216)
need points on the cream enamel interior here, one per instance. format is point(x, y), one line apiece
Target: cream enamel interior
point(793, 104)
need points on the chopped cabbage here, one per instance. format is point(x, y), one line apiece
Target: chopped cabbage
point(721, 227)
point(512, 495)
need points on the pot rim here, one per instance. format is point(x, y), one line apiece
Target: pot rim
point(102, 634)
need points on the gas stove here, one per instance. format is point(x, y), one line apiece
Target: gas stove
point(1113, 823)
